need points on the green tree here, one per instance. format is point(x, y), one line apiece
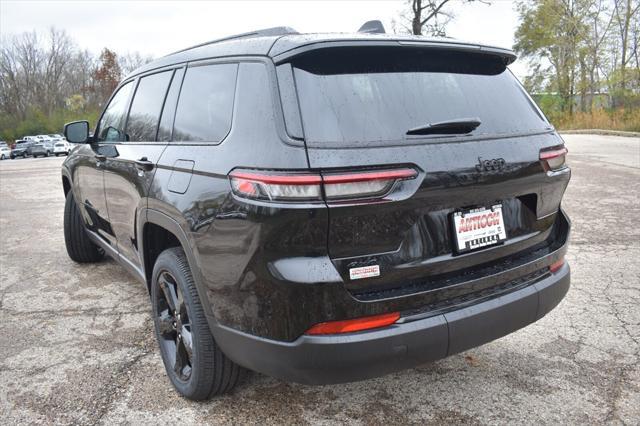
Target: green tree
point(552, 36)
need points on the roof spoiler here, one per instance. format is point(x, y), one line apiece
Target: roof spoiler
point(372, 27)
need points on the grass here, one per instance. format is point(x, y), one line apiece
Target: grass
point(625, 120)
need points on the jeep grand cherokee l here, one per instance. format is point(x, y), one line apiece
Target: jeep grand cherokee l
point(323, 208)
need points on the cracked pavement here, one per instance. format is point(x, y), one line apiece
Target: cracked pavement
point(78, 347)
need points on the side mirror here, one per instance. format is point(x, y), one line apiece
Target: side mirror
point(77, 131)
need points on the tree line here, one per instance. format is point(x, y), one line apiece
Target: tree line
point(47, 80)
point(584, 56)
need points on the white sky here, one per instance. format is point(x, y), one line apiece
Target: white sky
point(159, 27)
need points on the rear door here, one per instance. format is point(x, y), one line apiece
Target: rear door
point(357, 109)
point(130, 167)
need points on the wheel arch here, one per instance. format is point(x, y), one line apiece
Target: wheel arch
point(155, 224)
point(66, 184)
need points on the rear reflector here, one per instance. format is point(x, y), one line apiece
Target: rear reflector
point(302, 186)
point(555, 158)
point(353, 325)
point(554, 267)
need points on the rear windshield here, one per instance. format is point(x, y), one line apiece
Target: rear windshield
point(377, 95)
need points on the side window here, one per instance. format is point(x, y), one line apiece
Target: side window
point(169, 110)
point(206, 103)
point(110, 128)
point(146, 107)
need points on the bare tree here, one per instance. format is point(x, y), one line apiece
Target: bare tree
point(626, 16)
point(129, 62)
point(429, 17)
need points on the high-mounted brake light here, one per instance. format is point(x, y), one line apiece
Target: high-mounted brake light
point(353, 325)
point(303, 186)
point(554, 159)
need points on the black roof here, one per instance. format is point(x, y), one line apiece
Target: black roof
point(281, 43)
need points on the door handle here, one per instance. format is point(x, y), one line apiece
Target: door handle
point(144, 164)
point(100, 157)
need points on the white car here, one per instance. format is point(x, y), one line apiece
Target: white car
point(43, 138)
point(57, 136)
point(61, 147)
point(5, 151)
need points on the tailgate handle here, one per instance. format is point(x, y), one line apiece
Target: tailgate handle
point(144, 164)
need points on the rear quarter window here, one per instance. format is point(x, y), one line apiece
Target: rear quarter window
point(205, 105)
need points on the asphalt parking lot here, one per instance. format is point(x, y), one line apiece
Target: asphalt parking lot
point(77, 346)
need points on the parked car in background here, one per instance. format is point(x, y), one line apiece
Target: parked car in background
point(61, 147)
point(5, 151)
point(22, 149)
point(42, 148)
point(57, 136)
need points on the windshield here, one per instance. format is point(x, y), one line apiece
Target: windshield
point(377, 99)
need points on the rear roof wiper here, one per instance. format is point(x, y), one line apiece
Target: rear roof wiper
point(458, 126)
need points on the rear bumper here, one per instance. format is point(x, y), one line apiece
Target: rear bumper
point(358, 356)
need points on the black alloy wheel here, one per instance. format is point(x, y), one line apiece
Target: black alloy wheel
point(196, 366)
point(174, 326)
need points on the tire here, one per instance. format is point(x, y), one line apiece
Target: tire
point(24, 155)
point(46, 154)
point(79, 247)
point(207, 371)
point(57, 154)
point(2, 157)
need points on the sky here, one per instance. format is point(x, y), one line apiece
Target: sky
point(157, 28)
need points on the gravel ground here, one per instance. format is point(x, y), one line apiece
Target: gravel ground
point(77, 343)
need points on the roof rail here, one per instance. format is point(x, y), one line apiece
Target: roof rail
point(274, 31)
point(372, 27)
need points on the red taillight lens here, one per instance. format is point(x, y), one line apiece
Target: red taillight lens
point(555, 266)
point(296, 186)
point(353, 325)
point(370, 184)
point(276, 186)
point(555, 158)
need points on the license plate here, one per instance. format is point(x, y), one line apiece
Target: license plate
point(479, 228)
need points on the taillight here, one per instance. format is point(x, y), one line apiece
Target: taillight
point(303, 186)
point(554, 159)
point(555, 266)
point(353, 325)
point(358, 185)
point(276, 186)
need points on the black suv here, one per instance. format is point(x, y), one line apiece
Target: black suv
point(323, 208)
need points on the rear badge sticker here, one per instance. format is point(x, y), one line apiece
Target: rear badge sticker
point(364, 272)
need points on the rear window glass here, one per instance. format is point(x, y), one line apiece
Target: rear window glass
point(353, 96)
point(206, 103)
